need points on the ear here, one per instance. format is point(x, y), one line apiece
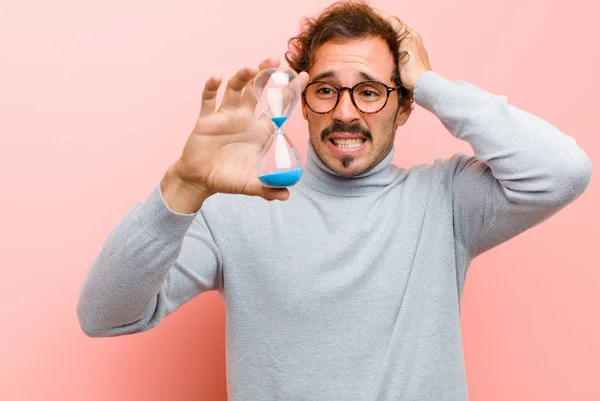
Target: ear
point(402, 115)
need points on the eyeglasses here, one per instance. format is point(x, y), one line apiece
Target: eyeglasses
point(368, 97)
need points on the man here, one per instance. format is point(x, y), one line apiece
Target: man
point(348, 289)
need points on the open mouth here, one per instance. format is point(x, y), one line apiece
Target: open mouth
point(347, 143)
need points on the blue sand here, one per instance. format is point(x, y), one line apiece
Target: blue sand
point(279, 121)
point(284, 178)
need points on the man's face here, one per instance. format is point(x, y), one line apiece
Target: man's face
point(372, 135)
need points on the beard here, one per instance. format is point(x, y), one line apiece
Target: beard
point(347, 160)
point(341, 165)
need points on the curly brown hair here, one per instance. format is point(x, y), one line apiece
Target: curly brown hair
point(341, 22)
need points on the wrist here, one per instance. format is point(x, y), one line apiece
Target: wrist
point(412, 81)
point(182, 196)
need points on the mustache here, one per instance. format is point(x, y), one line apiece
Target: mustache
point(339, 127)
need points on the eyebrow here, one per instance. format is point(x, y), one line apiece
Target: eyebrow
point(329, 74)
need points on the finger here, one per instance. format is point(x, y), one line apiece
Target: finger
point(394, 21)
point(256, 188)
point(303, 76)
point(414, 34)
point(209, 95)
point(236, 85)
point(400, 26)
point(249, 96)
point(298, 83)
point(270, 194)
point(271, 62)
point(381, 13)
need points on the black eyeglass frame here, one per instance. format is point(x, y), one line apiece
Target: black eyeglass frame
point(389, 89)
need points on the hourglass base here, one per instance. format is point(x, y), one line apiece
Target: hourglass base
point(281, 179)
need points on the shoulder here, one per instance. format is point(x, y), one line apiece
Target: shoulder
point(441, 170)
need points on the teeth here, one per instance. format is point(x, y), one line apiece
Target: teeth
point(348, 143)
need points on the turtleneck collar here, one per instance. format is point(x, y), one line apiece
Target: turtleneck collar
point(321, 178)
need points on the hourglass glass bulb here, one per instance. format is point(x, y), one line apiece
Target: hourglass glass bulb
point(277, 91)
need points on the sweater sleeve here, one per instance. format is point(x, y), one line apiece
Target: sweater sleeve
point(152, 262)
point(524, 170)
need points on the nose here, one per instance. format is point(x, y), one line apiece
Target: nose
point(345, 111)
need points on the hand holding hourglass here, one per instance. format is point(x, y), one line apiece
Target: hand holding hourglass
point(223, 151)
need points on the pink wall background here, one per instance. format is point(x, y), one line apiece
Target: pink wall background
point(97, 100)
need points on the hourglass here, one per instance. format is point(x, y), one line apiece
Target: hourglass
point(277, 91)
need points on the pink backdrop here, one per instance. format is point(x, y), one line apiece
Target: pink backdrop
point(97, 100)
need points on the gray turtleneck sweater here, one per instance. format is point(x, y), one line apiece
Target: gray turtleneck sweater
point(351, 289)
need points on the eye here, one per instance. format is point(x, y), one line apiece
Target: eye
point(368, 93)
point(324, 91)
